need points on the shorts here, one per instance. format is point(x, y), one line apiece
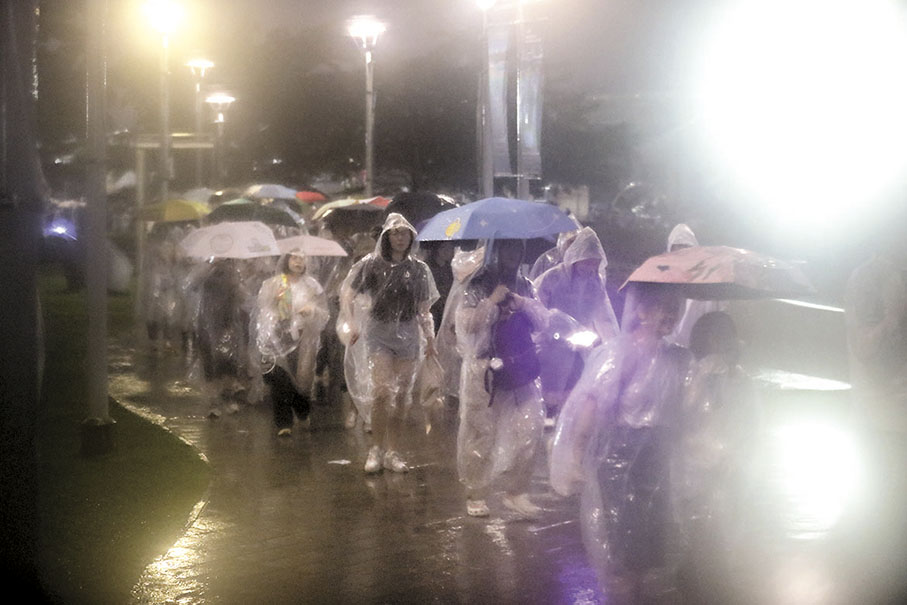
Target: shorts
point(400, 339)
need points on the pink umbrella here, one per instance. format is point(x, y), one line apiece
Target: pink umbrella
point(723, 273)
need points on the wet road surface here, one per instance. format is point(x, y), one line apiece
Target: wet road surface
point(297, 520)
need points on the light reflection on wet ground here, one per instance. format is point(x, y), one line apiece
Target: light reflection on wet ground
point(283, 521)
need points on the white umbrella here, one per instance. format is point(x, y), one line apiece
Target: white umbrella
point(272, 191)
point(246, 239)
point(311, 246)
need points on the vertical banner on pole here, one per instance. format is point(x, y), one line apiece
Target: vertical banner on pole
point(530, 100)
point(498, 43)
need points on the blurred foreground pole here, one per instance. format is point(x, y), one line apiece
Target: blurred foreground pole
point(22, 193)
point(97, 429)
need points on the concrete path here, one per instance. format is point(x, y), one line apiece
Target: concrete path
point(296, 520)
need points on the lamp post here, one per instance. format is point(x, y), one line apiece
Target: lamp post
point(164, 16)
point(365, 29)
point(198, 67)
point(220, 102)
point(483, 134)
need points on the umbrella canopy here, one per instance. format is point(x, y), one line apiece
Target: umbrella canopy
point(723, 273)
point(175, 210)
point(271, 191)
point(376, 202)
point(311, 246)
point(311, 197)
point(247, 210)
point(246, 239)
point(497, 218)
point(418, 207)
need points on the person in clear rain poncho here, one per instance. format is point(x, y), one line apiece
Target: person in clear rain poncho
point(614, 437)
point(292, 311)
point(386, 300)
point(715, 464)
point(163, 307)
point(501, 410)
point(575, 286)
point(682, 236)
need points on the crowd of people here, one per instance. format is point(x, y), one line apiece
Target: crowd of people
point(653, 418)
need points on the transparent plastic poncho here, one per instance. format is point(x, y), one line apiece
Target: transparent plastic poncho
point(682, 235)
point(555, 255)
point(464, 265)
point(495, 443)
point(292, 312)
point(162, 286)
point(385, 308)
point(614, 441)
point(575, 287)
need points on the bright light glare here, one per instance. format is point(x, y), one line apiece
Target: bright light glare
point(584, 338)
point(199, 66)
point(485, 4)
point(804, 100)
point(366, 29)
point(164, 15)
point(220, 100)
point(819, 471)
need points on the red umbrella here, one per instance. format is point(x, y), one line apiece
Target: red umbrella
point(311, 197)
point(722, 272)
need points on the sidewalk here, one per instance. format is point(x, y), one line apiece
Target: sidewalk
point(296, 520)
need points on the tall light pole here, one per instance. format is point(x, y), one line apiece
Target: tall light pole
point(365, 30)
point(198, 67)
point(164, 16)
point(483, 134)
point(220, 102)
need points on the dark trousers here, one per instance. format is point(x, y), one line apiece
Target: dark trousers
point(285, 398)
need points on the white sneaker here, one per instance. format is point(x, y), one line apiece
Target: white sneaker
point(477, 508)
point(522, 505)
point(351, 418)
point(285, 432)
point(373, 462)
point(393, 462)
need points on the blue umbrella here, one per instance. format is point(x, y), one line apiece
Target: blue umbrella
point(497, 218)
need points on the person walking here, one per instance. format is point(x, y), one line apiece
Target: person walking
point(292, 311)
point(501, 411)
point(388, 296)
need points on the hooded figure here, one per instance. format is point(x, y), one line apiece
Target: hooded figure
point(613, 438)
point(575, 286)
point(682, 236)
point(555, 255)
point(386, 300)
point(292, 311)
point(501, 411)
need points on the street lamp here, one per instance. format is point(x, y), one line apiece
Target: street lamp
point(219, 103)
point(365, 30)
point(164, 17)
point(198, 67)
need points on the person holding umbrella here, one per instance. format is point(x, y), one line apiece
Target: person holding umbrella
point(388, 296)
point(501, 411)
point(292, 310)
point(613, 439)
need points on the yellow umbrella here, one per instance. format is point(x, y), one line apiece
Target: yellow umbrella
point(174, 210)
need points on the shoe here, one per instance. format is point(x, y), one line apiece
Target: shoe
point(233, 408)
point(351, 419)
point(522, 505)
point(367, 427)
point(393, 462)
point(373, 462)
point(285, 432)
point(214, 413)
point(476, 508)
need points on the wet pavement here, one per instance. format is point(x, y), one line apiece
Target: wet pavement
point(297, 520)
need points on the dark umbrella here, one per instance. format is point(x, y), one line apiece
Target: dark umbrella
point(246, 210)
point(348, 220)
point(418, 207)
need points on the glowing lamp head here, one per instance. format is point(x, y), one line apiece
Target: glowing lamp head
point(199, 66)
point(164, 16)
point(365, 29)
